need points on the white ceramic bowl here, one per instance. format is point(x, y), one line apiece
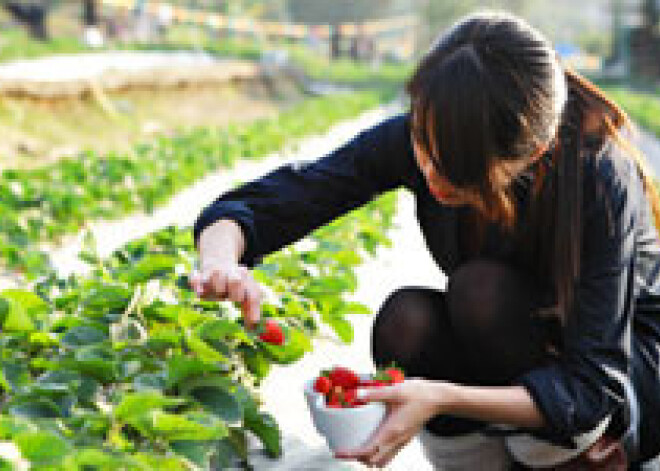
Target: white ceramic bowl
point(343, 429)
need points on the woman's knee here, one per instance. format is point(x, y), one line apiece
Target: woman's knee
point(490, 308)
point(406, 321)
point(483, 293)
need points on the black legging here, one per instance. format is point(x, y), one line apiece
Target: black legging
point(480, 332)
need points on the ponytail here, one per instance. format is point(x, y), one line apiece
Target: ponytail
point(615, 120)
point(554, 236)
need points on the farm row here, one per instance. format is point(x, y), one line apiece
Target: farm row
point(126, 368)
point(46, 203)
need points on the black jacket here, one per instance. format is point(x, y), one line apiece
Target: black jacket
point(619, 291)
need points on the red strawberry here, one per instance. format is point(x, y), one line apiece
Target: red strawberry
point(343, 377)
point(333, 399)
point(272, 332)
point(350, 396)
point(322, 385)
point(396, 374)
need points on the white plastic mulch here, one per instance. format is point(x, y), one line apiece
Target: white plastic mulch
point(90, 65)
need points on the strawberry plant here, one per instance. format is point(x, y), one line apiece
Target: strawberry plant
point(128, 369)
point(45, 203)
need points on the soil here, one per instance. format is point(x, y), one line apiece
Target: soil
point(40, 131)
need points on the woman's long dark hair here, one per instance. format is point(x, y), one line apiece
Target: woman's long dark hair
point(489, 98)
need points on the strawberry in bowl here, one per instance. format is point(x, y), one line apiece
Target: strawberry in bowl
point(337, 412)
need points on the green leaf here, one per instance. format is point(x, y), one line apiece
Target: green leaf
point(82, 335)
point(33, 304)
point(16, 374)
point(152, 462)
point(149, 267)
point(101, 299)
point(10, 426)
point(43, 339)
point(203, 350)
point(265, 427)
point(194, 427)
point(231, 449)
point(342, 328)
point(297, 343)
point(94, 360)
point(136, 404)
point(256, 362)
point(222, 329)
point(163, 336)
point(216, 394)
point(94, 459)
point(185, 317)
point(34, 407)
point(355, 308)
point(147, 381)
point(56, 382)
point(16, 316)
point(198, 452)
point(180, 368)
point(4, 310)
point(41, 448)
point(4, 384)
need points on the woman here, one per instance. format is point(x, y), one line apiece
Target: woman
point(541, 215)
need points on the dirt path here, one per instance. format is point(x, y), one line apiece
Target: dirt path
point(47, 112)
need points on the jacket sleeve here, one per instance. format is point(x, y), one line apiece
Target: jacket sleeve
point(578, 390)
point(291, 201)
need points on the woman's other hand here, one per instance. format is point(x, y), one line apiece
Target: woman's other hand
point(410, 405)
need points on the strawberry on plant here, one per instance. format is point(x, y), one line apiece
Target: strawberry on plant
point(322, 385)
point(343, 377)
point(272, 332)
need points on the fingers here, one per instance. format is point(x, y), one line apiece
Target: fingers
point(223, 283)
point(391, 393)
point(230, 282)
point(235, 283)
point(386, 453)
point(382, 438)
point(195, 281)
point(380, 451)
point(251, 306)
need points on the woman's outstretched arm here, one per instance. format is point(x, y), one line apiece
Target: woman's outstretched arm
point(291, 201)
point(244, 224)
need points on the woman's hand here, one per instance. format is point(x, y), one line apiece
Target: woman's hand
point(221, 276)
point(223, 280)
point(410, 404)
